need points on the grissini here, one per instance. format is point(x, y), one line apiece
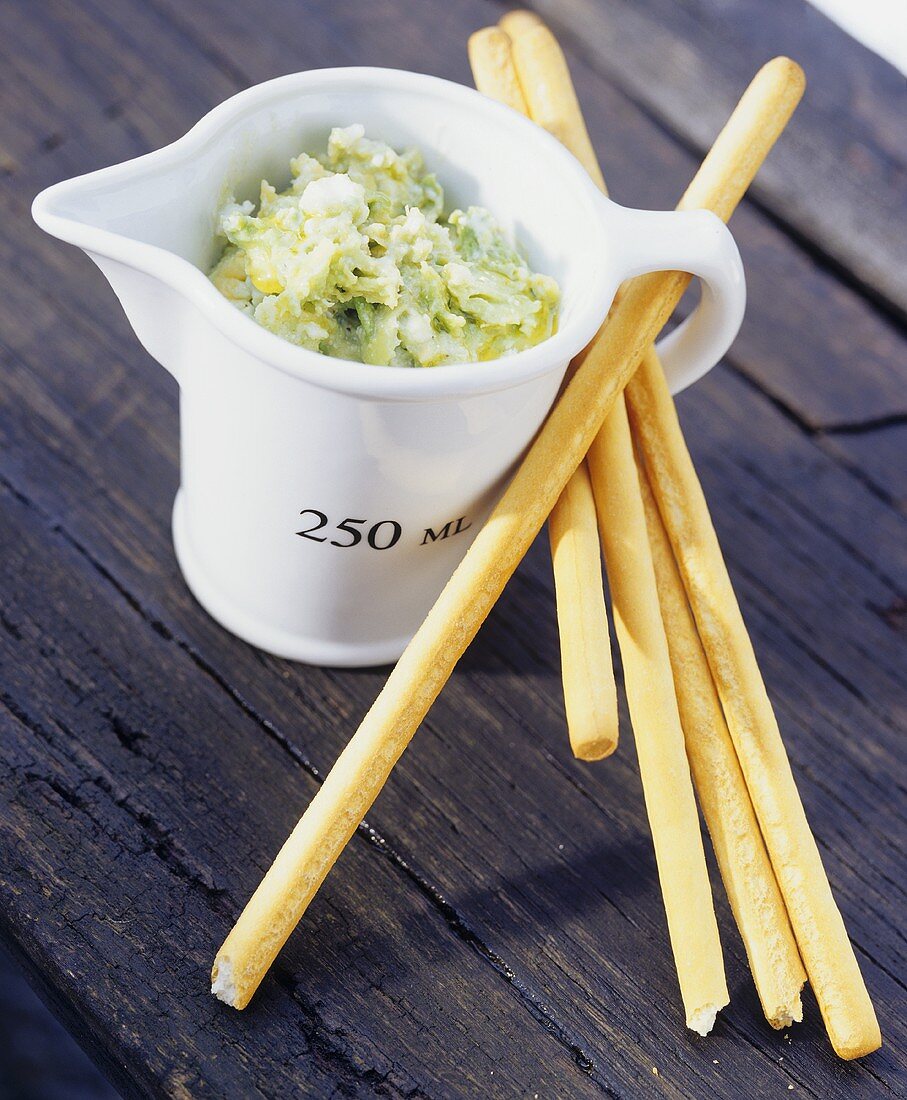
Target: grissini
point(663, 766)
point(518, 20)
point(818, 926)
point(821, 935)
point(590, 693)
point(587, 671)
point(362, 768)
point(548, 88)
point(746, 869)
point(492, 67)
point(648, 680)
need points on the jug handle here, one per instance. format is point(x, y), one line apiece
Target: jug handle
point(698, 242)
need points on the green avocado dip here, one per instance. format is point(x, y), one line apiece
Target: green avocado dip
point(357, 260)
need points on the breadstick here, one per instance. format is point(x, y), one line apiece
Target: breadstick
point(425, 666)
point(748, 875)
point(663, 765)
point(492, 68)
point(519, 20)
point(821, 936)
point(746, 871)
point(664, 769)
point(846, 1008)
point(590, 694)
point(549, 92)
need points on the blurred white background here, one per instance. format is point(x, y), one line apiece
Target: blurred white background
point(879, 24)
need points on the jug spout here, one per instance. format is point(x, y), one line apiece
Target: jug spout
point(153, 251)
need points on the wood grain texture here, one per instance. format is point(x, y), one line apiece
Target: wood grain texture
point(500, 932)
point(840, 181)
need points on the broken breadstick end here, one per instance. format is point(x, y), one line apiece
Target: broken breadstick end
point(785, 1015)
point(222, 985)
point(703, 1019)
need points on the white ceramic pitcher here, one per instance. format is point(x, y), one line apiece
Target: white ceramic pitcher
point(323, 503)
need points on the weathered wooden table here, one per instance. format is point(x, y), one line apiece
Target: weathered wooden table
point(499, 930)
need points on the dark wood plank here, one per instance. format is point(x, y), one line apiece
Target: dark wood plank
point(840, 181)
point(106, 766)
point(879, 455)
point(39, 1059)
point(509, 691)
point(521, 934)
point(530, 883)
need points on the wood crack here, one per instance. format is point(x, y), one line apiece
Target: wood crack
point(329, 1056)
point(861, 427)
point(813, 431)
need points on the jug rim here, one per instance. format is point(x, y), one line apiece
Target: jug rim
point(342, 375)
